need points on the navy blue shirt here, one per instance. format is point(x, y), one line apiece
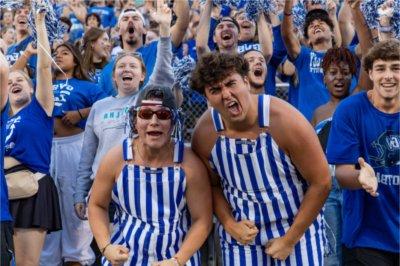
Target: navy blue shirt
point(16, 50)
point(361, 130)
point(5, 213)
point(73, 95)
point(29, 135)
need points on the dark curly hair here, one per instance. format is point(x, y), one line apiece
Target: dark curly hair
point(337, 55)
point(386, 50)
point(215, 67)
point(317, 14)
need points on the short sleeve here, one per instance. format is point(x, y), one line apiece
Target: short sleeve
point(301, 60)
point(343, 144)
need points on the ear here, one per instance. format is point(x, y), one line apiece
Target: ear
point(370, 75)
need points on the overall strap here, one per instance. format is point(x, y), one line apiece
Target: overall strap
point(263, 110)
point(217, 119)
point(179, 148)
point(127, 149)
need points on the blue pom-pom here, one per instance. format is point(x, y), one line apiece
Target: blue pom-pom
point(182, 69)
point(55, 29)
point(255, 7)
point(369, 8)
point(299, 15)
point(10, 4)
point(395, 21)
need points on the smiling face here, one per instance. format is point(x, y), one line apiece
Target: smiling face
point(319, 31)
point(258, 68)
point(153, 132)
point(21, 20)
point(338, 80)
point(247, 27)
point(128, 75)
point(226, 35)
point(101, 47)
point(131, 28)
point(385, 76)
point(9, 36)
point(19, 90)
point(231, 97)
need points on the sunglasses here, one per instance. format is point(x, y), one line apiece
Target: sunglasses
point(147, 114)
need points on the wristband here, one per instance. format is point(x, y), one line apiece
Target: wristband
point(104, 249)
point(385, 29)
point(79, 112)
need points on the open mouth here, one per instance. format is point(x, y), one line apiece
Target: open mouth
point(388, 85)
point(154, 133)
point(131, 30)
point(226, 36)
point(16, 90)
point(318, 31)
point(233, 108)
point(246, 25)
point(127, 78)
point(258, 72)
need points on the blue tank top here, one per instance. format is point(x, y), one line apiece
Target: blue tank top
point(29, 135)
point(152, 215)
point(262, 185)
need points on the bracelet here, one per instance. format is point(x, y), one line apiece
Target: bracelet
point(385, 29)
point(79, 112)
point(287, 14)
point(104, 249)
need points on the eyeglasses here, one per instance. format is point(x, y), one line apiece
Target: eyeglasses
point(147, 114)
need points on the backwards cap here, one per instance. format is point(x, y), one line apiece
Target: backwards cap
point(131, 11)
point(157, 95)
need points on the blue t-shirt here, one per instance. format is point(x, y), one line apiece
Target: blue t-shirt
point(106, 14)
point(247, 46)
point(312, 91)
point(77, 29)
point(5, 213)
point(16, 50)
point(148, 54)
point(73, 95)
point(361, 130)
point(29, 135)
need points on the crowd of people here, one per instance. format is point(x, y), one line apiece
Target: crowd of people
point(95, 169)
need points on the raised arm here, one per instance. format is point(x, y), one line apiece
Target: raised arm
point(331, 6)
point(346, 24)
point(178, 31)
point(203, 29)
point(23, 60)
point(44, 87)
point(4, 70)
point(289, 38)
point(162, 73)
point(265, 37)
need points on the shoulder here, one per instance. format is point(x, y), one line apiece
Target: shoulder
point(352, 105)
point(192, 165)
point(204, 135)
point(102, 102)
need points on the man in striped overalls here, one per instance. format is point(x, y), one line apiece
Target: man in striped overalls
point(269, 174)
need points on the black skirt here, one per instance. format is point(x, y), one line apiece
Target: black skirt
point(42, 210)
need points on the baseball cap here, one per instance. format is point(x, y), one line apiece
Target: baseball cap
point(157, 95)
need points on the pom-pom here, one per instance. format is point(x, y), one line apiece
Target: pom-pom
point(255, 7)
point(299, 15)
point(182, 71)
point(395, 21)
point(369, 8)
point(10, 4)
point(55, 29)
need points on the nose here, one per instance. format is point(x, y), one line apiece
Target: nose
point(389, 74)
point(226, 93)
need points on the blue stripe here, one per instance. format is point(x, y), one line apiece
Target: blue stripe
point(230, 163)
point(217, 123)
point(125, 188)
point(318, 240)
point(160, 204)
point(309, 248)
point(125, 149)
point(148, 197)
point(289, 179)
point(297, 252)
point(146, 246)
point(260, 111)
point(135, 249)
point(136, 188)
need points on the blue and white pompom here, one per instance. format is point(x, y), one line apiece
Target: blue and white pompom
point(316, 2)
point(255, 7)
point(182, 69)
point(369, 8)
point(55, 29)
point(10, 4)
point(299, 13)
point(233, 3)
point(395, 21)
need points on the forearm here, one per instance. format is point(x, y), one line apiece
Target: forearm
point(194, 239)
point(4, 71)
point(221, 207)
point(264, 37)
point(21, 62)
point(310, 207)
point(99, 224)
point(347, 176)
point(345, 24)
point(290, 40)
point(182, 11)
point(163, 73)
point(363, 33)
point(336, 32)
point(204, 29)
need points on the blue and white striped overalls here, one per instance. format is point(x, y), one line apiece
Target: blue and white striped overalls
point(262, 185)
point(152, 216)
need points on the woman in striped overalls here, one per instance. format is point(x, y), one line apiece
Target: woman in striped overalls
point(269, 175)
point(157, 191)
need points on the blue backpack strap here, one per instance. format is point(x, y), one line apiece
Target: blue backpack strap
point(263, 110)
point(127, 149)
point(217, 119)
point(179, 148)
